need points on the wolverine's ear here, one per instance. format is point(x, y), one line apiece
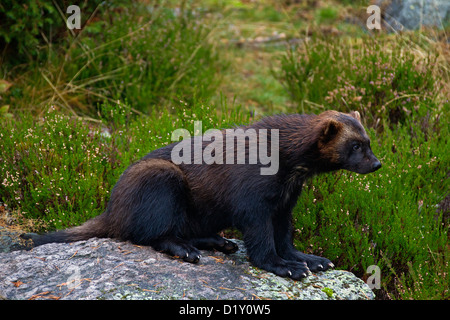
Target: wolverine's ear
point(356, 115)
point(330, 129)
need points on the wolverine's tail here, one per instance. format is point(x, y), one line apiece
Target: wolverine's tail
point(90, 229)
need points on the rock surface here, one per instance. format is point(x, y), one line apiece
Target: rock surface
point(110, 269)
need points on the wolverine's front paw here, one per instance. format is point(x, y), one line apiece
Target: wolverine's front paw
point(228, 247)
point(292, 269)
point(316, 263)
point(313, 262)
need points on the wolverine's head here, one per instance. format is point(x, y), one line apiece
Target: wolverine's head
point(344, 142)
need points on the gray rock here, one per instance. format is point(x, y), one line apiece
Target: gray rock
point(110, 269)
point(411, 14)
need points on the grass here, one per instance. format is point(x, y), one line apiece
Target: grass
point(75, 116)
point(150, 55)
point(249, 82)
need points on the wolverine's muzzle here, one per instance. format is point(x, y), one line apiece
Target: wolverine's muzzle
point(376, 165)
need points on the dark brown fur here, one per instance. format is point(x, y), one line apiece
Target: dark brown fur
point(179, 209)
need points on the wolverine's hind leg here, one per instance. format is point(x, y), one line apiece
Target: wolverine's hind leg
point(151, 201)
point(177, 248)
point(188, 250)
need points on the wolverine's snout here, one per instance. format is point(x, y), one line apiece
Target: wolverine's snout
point(376, 165)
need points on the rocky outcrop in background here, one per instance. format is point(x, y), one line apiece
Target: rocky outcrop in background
point(110, 269)
point(412, 14)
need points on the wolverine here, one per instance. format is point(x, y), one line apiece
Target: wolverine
point(180, 208)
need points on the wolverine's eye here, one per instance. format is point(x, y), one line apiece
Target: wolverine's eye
point(356, 147)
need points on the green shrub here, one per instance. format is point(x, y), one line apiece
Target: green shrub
point(380, 78)
point(54, 169)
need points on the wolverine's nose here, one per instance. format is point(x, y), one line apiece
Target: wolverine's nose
point(376, 165)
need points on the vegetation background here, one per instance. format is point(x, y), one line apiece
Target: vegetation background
point(78, 106)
